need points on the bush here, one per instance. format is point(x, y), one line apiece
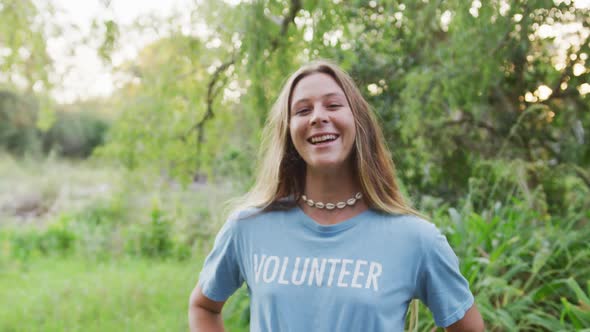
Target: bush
point(100, 231)
point(18, 118)
point(108, 213)
point(55, 240)
point(155, 238)
point(23, 244)
point(515, 259)
point(98, 227)
point(75, 134)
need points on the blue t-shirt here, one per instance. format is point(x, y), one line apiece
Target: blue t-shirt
point(357, 275)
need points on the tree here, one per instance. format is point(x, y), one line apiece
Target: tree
point(23, 54)
point(460, 88)
point(451, 80)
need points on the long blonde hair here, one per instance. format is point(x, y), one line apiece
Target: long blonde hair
point(281, 172)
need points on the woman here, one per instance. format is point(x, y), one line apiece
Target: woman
point(324, 240)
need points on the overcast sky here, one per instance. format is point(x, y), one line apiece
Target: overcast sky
point(84, 74)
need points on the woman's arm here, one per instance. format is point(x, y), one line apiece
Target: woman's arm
point(204, 314)
point(471, 322)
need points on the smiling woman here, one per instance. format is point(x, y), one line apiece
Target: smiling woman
point(321, 124)
point(324, 240)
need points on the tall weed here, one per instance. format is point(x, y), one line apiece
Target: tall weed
point(578, 313)
point(512, 255)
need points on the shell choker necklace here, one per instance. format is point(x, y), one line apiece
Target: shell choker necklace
point(331, 206)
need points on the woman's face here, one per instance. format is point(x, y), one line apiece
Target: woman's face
point(321, 123)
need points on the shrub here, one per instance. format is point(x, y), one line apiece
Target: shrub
point(23, 244)
point(18, 117)
point(515, 258)
point(155, 240)
point(75, 134)
point(99, 225)
point(55, 240)
point(103, 213)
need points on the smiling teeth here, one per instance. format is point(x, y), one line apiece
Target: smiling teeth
point(322, 138)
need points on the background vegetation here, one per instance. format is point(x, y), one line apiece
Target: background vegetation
point(108, 205)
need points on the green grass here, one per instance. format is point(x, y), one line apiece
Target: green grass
point(109, 281)
point(74, 295)
point(59, 294)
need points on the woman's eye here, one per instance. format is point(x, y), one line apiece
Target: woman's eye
point(303, 110)
point(334, 105)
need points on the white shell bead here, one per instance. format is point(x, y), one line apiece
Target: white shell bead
point(332, 206)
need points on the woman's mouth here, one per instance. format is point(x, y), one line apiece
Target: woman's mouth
point(322, 139)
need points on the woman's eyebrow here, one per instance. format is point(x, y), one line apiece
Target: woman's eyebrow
point(327, 95)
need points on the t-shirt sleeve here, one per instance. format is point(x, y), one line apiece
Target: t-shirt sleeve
point(440, 284)
point(221, 275)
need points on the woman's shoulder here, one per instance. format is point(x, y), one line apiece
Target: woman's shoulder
point(244, 213)
point(251, 216)
point(410, 225)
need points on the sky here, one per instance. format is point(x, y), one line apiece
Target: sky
point(81, 73)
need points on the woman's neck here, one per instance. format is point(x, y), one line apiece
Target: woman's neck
point(331, 187)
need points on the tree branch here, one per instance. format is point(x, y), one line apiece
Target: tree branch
point(212, 91)
point(467, 118)
point(290, 18)
point(567, 72)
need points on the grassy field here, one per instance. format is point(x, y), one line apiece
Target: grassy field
point(77, 295)
point(70, 294)
point(87, 247)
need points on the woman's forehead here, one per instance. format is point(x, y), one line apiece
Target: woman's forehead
point(314, 86)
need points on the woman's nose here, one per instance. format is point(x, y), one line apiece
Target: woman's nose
point(319, 115)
